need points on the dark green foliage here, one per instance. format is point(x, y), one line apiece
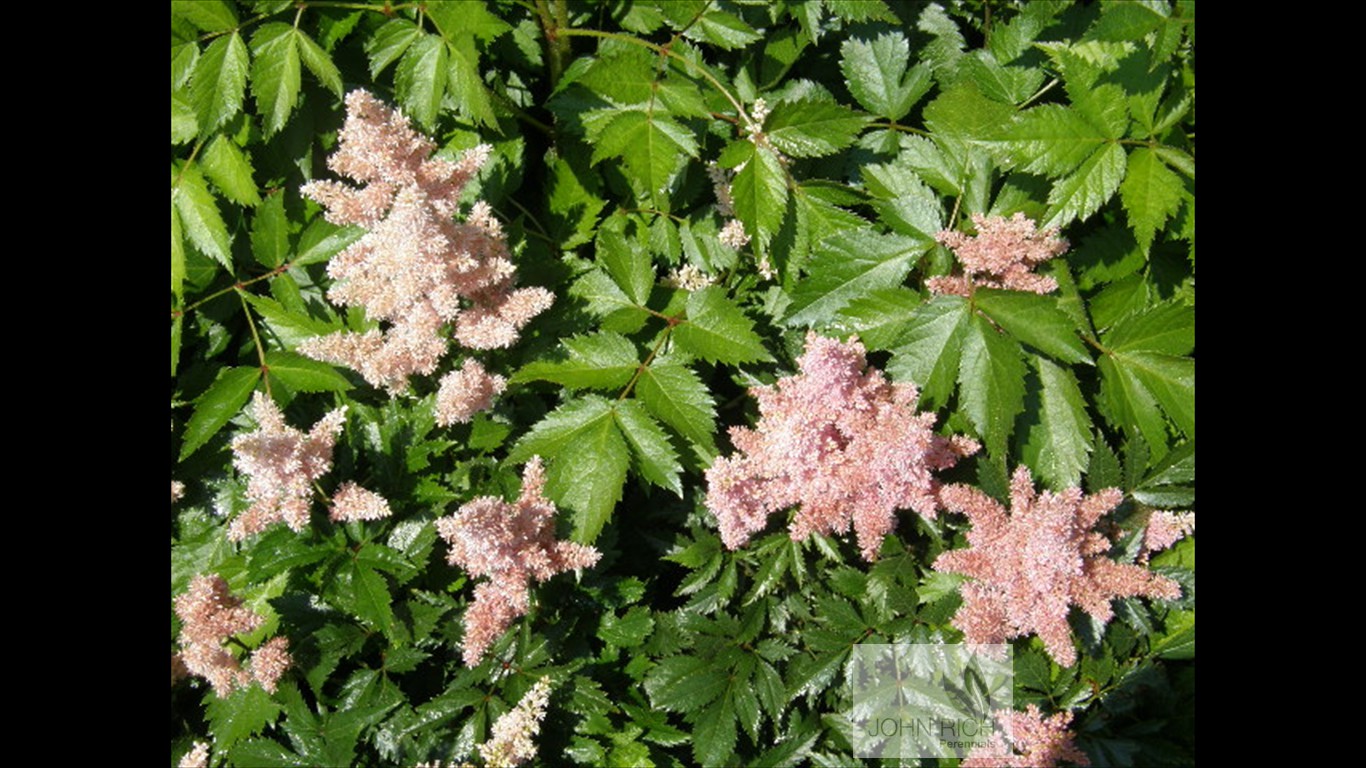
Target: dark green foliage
point(849, 134)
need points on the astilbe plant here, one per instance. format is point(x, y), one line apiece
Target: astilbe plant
point(417, 269)
point(840, 442)
point(1032, 564)
point(513, 545)
point(281, 463)
point(1029, 741)
point(1003, 254)
point(211, 615)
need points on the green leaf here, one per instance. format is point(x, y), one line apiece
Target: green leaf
point(881, 317)
point(230, 171)
point(245, 712)
point(1128, 404)
point(206, 15)
point(723, 30)
point(270, 232)
point(275, 73)
point(290, 327)
point(319, 63)
point(420, 80)
point(1035, 320)
point(1084, 192)
point(1013, 85)
point(718, 331)
point(1170, 379)
point(627, 631)
point(176, 329)
point(1051, 140)
point(991, 378)
point(684, 684)
point(604, 360)
point(219, 81)
point(653, 456)
point(587, 459)
point(861, 10)
point(677, 397)
point(1122, 22)
point(1059, 445)
point(364, 591)
point(811, 128)
point(963, 112)
point(471, 17)
point(904, 203)
point(930, 348)
point(321, 240)
point(302, 374)
point(199, 214)
point(848, 265)
point(1178, 638)
point(759, 193)
point(714, 734)
point(466, 85)
point(876, 75)
point(177, 258)
point(216, 407)
point(1168, 328)
point(627, 262)
point(652, 145)
point(1151, 194)
point(389, 43)
point(184, 124)
point(264, 753)
point(608, 301)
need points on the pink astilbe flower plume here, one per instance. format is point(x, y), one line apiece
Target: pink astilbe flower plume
point(417, 270)
point(512, 741)
point(1002, 254)
point(466, 392)
point(281, 464)
point(210, 614)
point(513, 545)
point(839, 440)
point(1030, 741)
point(352, 502)
point(1031, 565)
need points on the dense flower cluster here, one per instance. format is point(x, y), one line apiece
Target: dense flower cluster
point(197, 757)
point(512, 742)
point(513, 545)
point(1165, 529)
point(210, 614)
point(1002, 254)
point(466, 392)
point(281, 464)
point(352, 502)
point(1032, 564)
point(1031, 741)
point(416, 269)
point(839, 440)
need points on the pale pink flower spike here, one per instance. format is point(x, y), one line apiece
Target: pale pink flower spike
point(416, 270)
point(466, 392)
point(210, 614)
point(281, 464)
point(1031, 741)
point(1031, 565)
point(513, 545)
point(839, 441)
point(352, 502)
point(512, 741)
point(1002, 254)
